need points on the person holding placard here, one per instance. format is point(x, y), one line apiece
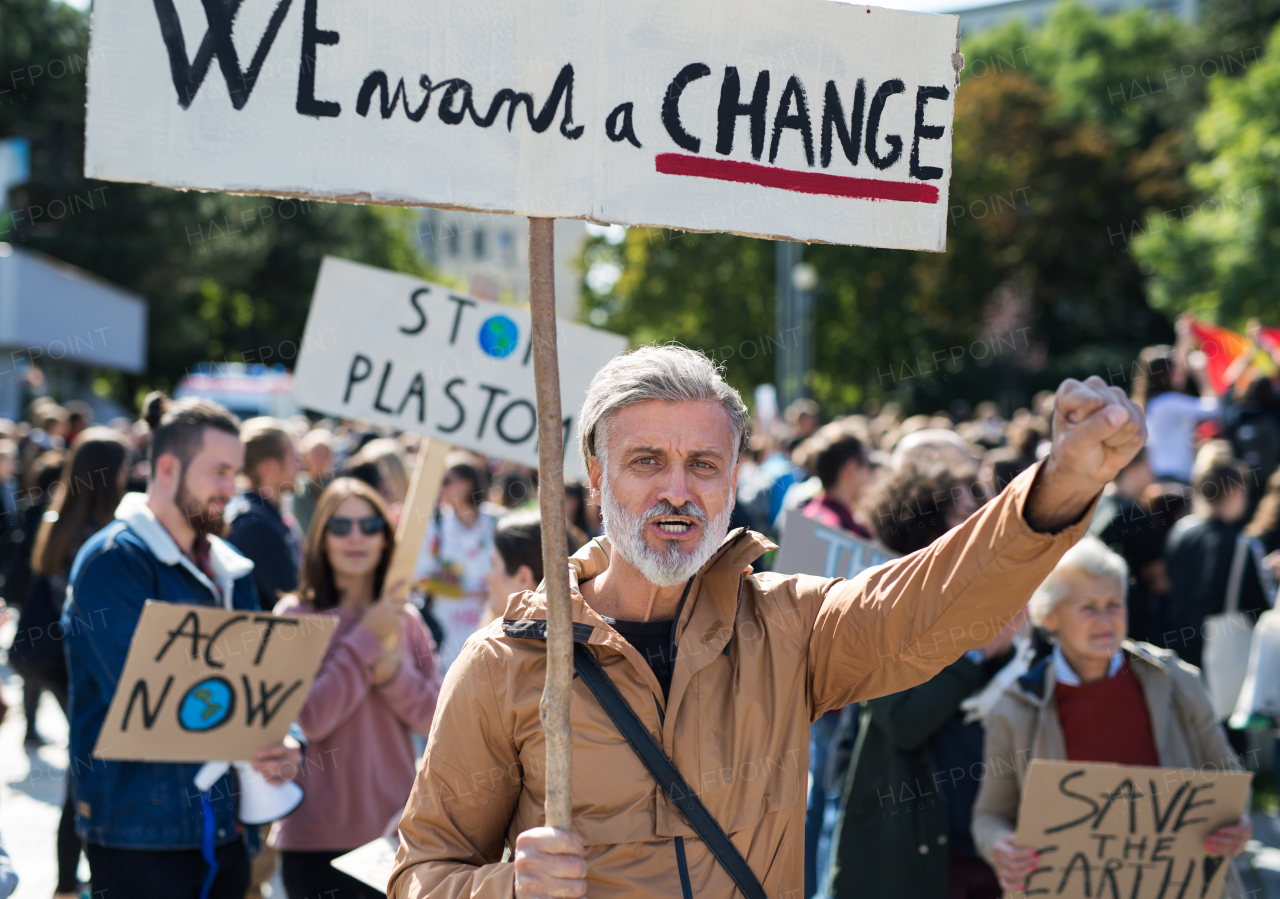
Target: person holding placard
point(379, 680)
point(717, 705)
point(149, 831)
point(456, 555)
point(1098, 698)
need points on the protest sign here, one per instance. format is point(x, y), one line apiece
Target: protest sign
point(203, 683)
point(808, 120)
point(372, 863)
point(812, 548)
point(1121, 830)
point(420, 357)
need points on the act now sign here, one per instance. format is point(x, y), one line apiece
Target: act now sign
point(416, 356)
point(810, 120)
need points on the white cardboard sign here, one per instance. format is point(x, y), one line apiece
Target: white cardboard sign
point(402, 352)
point(810, 119)
point(812, 548)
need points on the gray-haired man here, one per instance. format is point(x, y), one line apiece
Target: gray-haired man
point(725, 668)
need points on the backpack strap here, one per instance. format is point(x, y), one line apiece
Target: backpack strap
point(665, 773)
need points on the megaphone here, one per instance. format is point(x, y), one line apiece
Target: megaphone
point(260, 802)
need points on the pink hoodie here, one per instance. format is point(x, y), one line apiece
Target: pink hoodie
point(358, 766)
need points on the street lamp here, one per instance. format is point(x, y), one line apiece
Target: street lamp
point(794, 283)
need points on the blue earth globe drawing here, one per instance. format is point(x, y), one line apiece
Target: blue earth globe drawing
point(499, 336)
point(206, 705)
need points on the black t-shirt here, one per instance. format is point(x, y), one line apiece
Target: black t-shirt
point(652, 639)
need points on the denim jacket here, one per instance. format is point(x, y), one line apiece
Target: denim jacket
point(139, 805)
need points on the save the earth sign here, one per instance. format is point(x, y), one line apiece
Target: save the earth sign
point(811, 119)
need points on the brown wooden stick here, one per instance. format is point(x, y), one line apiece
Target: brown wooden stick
point(424, 489)
point(554, 709)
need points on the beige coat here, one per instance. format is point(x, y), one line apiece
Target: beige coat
point(760, 656)
point(1024, 726)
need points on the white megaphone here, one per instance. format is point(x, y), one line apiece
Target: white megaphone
point(260, 802)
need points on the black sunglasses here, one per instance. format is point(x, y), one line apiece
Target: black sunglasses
point(369, 526)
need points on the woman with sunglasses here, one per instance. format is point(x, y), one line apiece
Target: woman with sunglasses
point(378, 681)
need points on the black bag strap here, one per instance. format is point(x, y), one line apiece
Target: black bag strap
point(665, 772)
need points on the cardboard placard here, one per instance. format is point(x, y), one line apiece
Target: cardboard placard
point(415, 356)
point(210, 684)
point(1104, 830)
point(812, 548)
point(372, 863)
point(809, 120)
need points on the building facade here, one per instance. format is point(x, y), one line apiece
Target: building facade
point(489, 254)
point(58, 324)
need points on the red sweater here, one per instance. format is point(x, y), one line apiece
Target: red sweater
point(1107, 721)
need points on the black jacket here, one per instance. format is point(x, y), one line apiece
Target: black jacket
point(259, 531)
point(1198, 556)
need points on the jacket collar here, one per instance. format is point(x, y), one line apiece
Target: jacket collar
point(227, 564)
point(1066, 675)
point(1039, 682)
point(1152, 669)
point(739, 549)
point(707, 613)
point(255, 500)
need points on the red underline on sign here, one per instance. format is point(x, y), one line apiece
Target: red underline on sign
point(798, 182)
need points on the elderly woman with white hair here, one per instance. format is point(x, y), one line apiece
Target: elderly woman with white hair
point(1098, 698)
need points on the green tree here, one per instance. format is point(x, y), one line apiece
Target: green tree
point(226, 277)
point(1220, 256)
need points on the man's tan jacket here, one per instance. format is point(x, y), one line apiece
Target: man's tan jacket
point(760, 657)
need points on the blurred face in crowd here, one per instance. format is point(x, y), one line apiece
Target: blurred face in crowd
point(501, 585)
point(354, 554)
point(1232, 507)
point(667, 485)
point(1135, 478)
point(8, 466)
point(1090, 621)
point(856, 477)
point(319, 461)
point(457, 491)
point(279, 474)
point(208, 481)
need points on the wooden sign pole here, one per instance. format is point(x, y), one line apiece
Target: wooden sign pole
point(424, 489)
point(554, 709)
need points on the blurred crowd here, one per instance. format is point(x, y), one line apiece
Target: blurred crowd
point(1186, 540)
point(1188, 531)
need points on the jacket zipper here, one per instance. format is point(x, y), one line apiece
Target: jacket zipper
point(685, 886)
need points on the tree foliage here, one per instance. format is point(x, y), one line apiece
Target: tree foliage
point(226, 277)
point(1219, 256)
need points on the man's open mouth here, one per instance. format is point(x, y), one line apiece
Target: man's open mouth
point(673, 526)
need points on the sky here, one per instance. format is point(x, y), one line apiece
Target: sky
point(932, 5)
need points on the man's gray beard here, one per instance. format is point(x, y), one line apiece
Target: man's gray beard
point(669, 567)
